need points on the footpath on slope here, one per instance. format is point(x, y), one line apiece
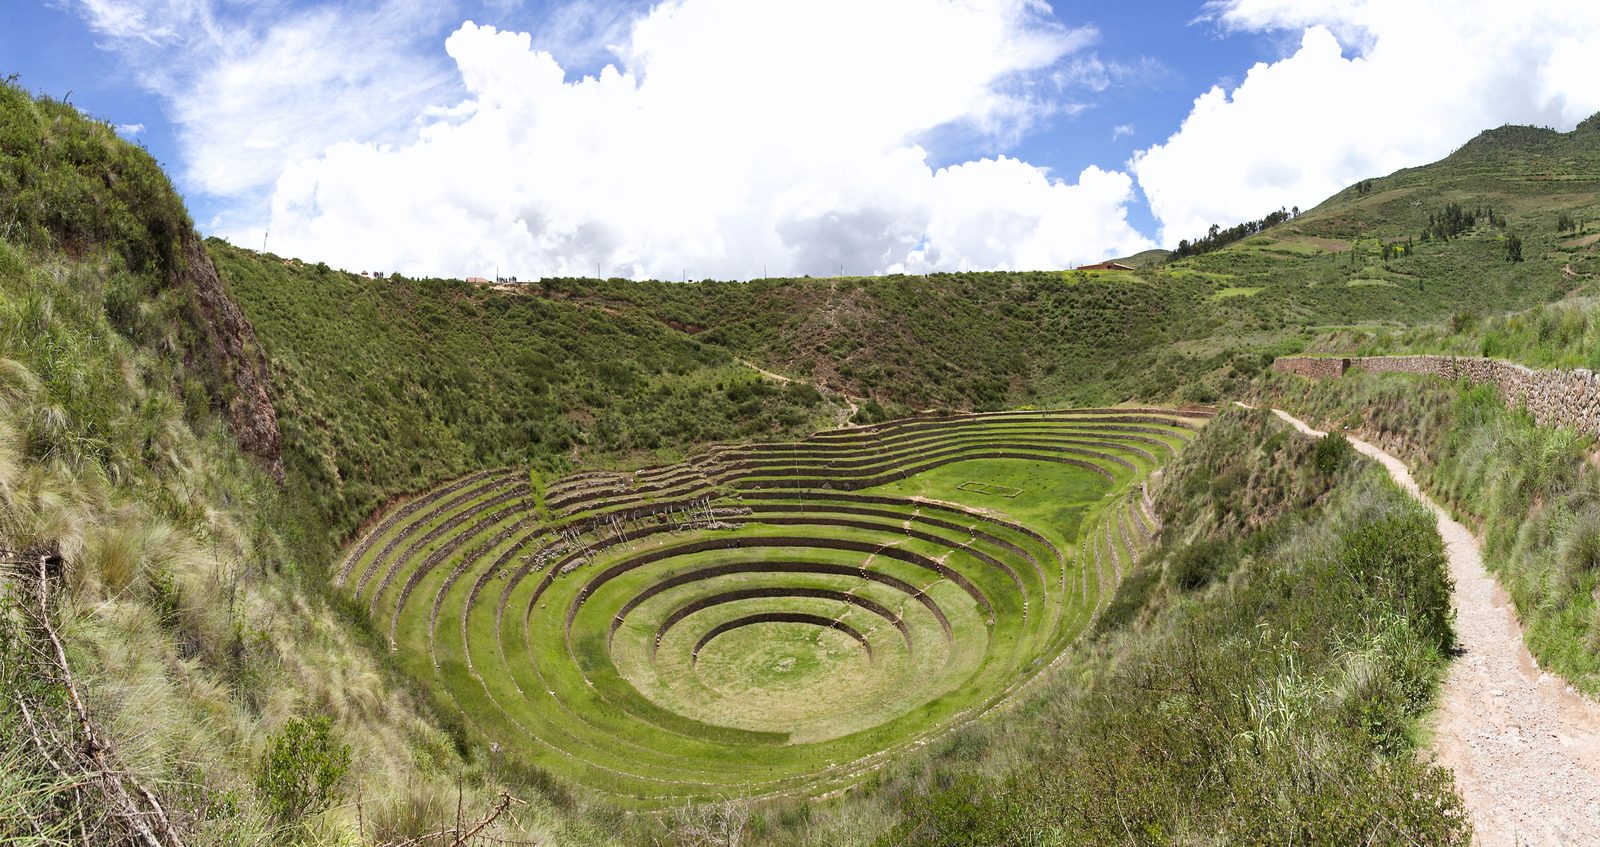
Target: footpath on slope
point(851, 407)
point(1524, 746)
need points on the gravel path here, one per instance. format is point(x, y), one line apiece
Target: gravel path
point(1525, 747)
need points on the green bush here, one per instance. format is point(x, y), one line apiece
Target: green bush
point(1196, 565)
point(1331, 453)
point(302, 768)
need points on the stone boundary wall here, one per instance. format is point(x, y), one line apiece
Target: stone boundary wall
point(1311, 366)
point(1554, 397)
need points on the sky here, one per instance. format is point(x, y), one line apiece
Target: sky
point(735, 139)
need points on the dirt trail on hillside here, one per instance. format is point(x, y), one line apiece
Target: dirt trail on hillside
point(1525, 747)
point(850, 402)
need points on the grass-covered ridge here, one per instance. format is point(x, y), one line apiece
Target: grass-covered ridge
point(771, 619)
point(182, 613)
point(389, 386)
point(187, 607)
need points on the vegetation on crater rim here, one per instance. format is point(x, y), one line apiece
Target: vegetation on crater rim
point(198, 615)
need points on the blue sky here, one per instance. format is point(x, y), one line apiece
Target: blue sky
point(732, 139)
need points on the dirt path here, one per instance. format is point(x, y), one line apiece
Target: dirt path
point(1524, 746)
point(764, 372)
point(845, 416)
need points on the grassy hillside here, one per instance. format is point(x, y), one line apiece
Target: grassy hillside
point(973, 341)
point(211, 666)
point(1193, 329)
point(135, 440)
point(1258, 679)
point(387, 386)
point(1367, 254)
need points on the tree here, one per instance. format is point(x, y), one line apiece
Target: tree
point(1513, 248)
point(1216, 237)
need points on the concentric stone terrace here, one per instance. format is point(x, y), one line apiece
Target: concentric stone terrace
point(766, 618)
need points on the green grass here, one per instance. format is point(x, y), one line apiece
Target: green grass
point(198, 604)
point(1556, 335)
point(1293, 248)
point(964, 603)
point(1053, 499)
point(1236, 291)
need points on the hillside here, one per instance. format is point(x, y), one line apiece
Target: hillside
point(1183, 329)
point(309, 525)
point(566, 370)
point(183, 654)
point(1366, 255)
point(386, 386)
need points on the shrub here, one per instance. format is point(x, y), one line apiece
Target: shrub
point(870, 412)
point(1581, 549)
point(1399, 560)
point(301, 770)
point(1331, 454)
point(1198, 564)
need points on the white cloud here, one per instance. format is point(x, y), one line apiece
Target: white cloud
point(290, 90)
point(254, 86)
point(1121, 130)
point(730, 136)
point(1096, 74)
point(1374, 86)
point(1005, 213)
point(129, 130)
point(151, 21)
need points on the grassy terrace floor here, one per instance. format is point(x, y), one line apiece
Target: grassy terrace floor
point(768, 618)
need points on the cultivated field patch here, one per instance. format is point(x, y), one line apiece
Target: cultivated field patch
point(991, 488)
point(764, 618)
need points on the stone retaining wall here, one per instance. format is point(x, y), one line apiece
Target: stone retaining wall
point(1554, 397)
point(1311, 366)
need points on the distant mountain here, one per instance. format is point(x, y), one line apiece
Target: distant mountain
point(1530, 174)
point(1145, 259)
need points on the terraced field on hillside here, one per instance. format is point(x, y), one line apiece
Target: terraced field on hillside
point(767, 618)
